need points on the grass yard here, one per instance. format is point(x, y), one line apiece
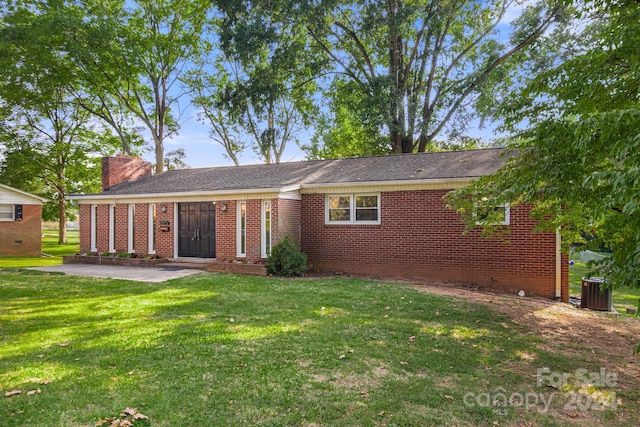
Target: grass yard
point(51, 247)
point(623, 298)
point(223, 350)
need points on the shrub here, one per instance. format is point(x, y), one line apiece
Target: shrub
point(286, 260)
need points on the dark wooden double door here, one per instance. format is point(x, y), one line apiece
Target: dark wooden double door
point(197, 230)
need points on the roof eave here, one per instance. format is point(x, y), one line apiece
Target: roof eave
point(393, 183)
point(216, 193)
point(24, 193)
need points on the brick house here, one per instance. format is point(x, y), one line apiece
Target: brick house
point(380, 216)
point(20, 222)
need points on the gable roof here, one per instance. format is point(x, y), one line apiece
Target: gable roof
point(400, 168)
point(12, 195)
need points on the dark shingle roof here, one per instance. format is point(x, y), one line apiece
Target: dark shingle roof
point(401, 167)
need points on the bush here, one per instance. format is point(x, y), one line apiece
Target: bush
point(286, 260)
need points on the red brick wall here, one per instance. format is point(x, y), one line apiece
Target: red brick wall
point(226, 230)
point(122, 228)
point(123, 168)
point(141, 228)
point(84, 214)
point(254, 225)
point(22, 238)
point(419, 238)
point(286, 220)
point(164, 239)
point(102, 234)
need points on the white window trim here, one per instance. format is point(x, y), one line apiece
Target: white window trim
point(507, 215)
point(112, 228)
point(93, 232)
point(239, 252)
point(352, 209)
point(263, 227)
point(13, 212)
point(151, 248)
point(130, 228)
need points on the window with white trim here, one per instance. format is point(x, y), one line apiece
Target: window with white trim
point(131, 240)
point(352, 209)
point(242, 229)
point(112, 228)
point(152, 228)
point(266, 229)
point(7, 212)
point(501, 214)
point(94, 228)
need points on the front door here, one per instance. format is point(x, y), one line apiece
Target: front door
point(197, 230)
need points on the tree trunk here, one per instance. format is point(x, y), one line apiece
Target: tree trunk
point(62, 221)
point(159, 157)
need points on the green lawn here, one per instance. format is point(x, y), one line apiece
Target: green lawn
point(50, 247)
point(223, 350)
point(623, 298)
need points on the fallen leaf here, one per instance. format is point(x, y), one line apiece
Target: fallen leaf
point(342, 356)
point(412, 338)
point(495, 423)
point(350, 351)
point(364, 393)
point(63, 344)
point(139, 416)
point(45, 382)
point(387, 308)
point(112, 366)
point(128, 412)
point(130, 373)
point(574, 415)
point(404, 363)
point(40, 356)
point(125, 423)
point(32, 392)
point(104, 421)
point(12, 393)
point(448, 397)
point(231, 320)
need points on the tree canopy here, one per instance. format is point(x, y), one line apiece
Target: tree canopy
point(577, 129)
point(415, 70)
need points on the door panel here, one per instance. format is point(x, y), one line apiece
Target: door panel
point(197, 230)
point(207, 230)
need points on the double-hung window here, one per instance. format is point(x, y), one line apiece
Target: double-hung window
point(352, 209)
point(265, 246)
point(241, 222)
point(495, 215)
point(6, 212)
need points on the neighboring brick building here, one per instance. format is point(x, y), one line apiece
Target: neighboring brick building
point(20, 222)
point(380, 216)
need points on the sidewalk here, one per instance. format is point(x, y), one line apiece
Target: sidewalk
point(139, 274)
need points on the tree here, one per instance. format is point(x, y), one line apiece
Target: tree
point(261, 81)
point(133, 54)
point(48, 138)
point(418, 66)
point(577, 134)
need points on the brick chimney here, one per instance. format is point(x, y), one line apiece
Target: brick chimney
point(123, 168)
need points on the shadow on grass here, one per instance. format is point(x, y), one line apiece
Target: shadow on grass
point(232, 350)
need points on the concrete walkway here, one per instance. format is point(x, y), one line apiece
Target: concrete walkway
point(139, 274)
